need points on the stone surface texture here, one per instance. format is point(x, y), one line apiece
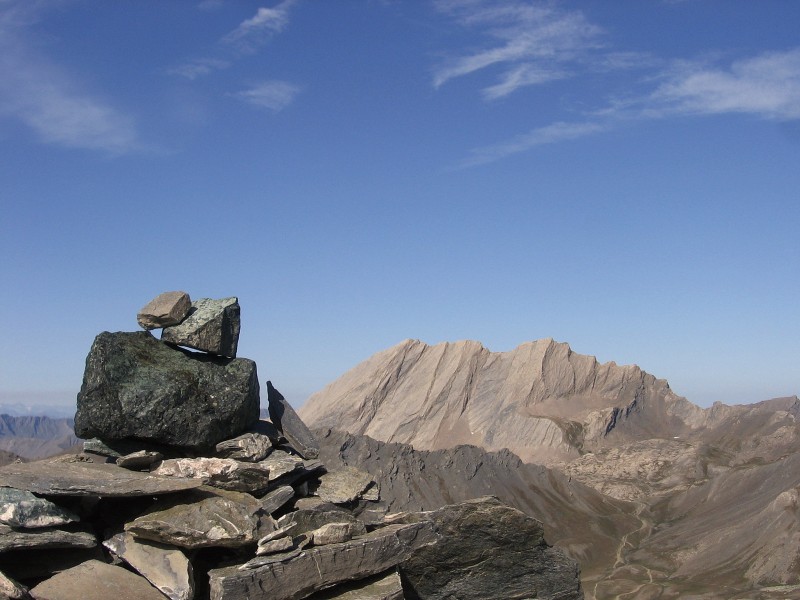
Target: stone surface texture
point(286, 420)
point(169, 308)
point(137, 387)
point(20, 508)
point(306, 520)
point(484, 546)
point(11, 589)
point(95, 580)
point(223, 473)
point(139, 461)
point(212, 326)
point(277, 498)
point(333, 533)
point(166, 567)
point(28, 539)
point(248, 447)
point(386, 586)
point(343, 485)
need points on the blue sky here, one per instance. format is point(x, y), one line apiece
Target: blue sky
point(622, 176)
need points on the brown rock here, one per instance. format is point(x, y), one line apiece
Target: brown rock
point(169, 308)
point(94, 580)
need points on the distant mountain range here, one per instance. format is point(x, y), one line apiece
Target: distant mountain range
point(21, 409)
point(35, 437)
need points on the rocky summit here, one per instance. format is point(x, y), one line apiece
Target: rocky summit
point(182, 493)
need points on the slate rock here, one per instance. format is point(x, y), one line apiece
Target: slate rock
point(28, 539)
point(343, 485)
point(280, 544)
point(223, 473)
point(136, 387)
point(11, 589)
point(139, 461)
point(277, 498)
point(385, 586)
point(248, 447)
point(282, 463)
point(73, 475)
point(166, 567)
point(287, 421)
point(308, 520)
point(207, 519)
point(212, 326)
point(169, 308)
point(334, 533)
point(20, 508)
point(277, 533)
point(94, 580)
point(317, 568)
point(487, 550)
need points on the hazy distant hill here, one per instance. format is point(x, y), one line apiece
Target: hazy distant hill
point(36, 437)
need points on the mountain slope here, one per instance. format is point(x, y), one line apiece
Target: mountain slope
point(36, 437)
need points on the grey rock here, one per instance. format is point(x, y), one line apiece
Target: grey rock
point(277, 533)
point(136, 387)
point(20, 508)
point(321, 567)
point(99, 447)
point(281, 463)
point(208, 519)
point(223, 473)
point(14, 539)
point(486, 550)
point(343, 485)
point(286, 420)
point(169, 308)
point(334, 533)
point(248, 447)
point(139, 461)
point(385, 586)
point(212, 326)
point(11, 589)
point(280, 544)
point(166, 567)
point(266, 428)
point(309, 520)
point(94, 580)
point(277, 498)
point(72, 475)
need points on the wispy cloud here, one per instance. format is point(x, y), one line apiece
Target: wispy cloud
point(42, 95)
point(273, 95)
point(192, 69)
point(529, 43)
point(252, 32)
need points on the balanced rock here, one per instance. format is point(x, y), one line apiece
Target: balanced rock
point(169, 308)
point(20, 508)
point(137, 387)
point(212, 326)
point(286, 420)
point(94, 580)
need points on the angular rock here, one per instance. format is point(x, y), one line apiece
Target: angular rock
point(94, 580)
point(20, 508)
point(343, 485)
point(248, 447)
point(268, 429)
point(489, 550)
point(386, 586)
point(280, 544)
point(309, 520)
point(70, 476)
point(169, 308)
point(321, 567)
point(13, 539)
point(286, 420)
point(281, 463)
point(212, 326)
point(11, 589)
point(208, 519)
point(223, 473)
point(333, 533)
point(139, 461)
point(166, 567)
point(277, 498)
point(274, 535)
point(136, 387)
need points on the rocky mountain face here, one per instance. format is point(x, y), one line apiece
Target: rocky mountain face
point(695, 502)
point(184, 493)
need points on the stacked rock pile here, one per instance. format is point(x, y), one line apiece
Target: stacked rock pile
point(182, 492)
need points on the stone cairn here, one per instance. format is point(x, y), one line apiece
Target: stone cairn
point(183, 492)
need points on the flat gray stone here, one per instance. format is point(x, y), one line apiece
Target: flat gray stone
point(321, 567)
point(277, 533)
point(309, 520)
point(208, 519)
point(70, 476)
point(343, 485)
point(223, 473)
point(169, 308)
point(277, 498)
point(248, 447)
point(135, 387)
point(280, 544)
point(334, 533)
point(139, 461)
point(166, 567)
point(94, 580)
point(212, 326)
point(29, 539)
point(385, 586)
point(281, 463)
point(291, 426)
point(20, 508)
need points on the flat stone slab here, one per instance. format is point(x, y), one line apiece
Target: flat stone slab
point(321, 567)
point(166, 567)
point(343, 485)
point(277, 498)
point(94, 580)
point(139, 461)
point(386, 586)
point(207, 519)
point(212, 326)
point(223, 473)
point(11, 589)
point(306, 520)
point(291, 426)
point(20, 508)
point(69, 476)
point(135, 387)
point(29, 539)
point(169, 308)
point(248, 447)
